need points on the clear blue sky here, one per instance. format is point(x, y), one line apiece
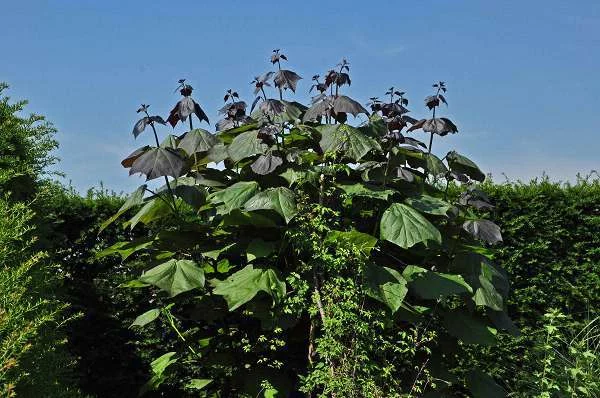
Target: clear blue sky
point(522, 75)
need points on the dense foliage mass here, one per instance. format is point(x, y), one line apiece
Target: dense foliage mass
point(322, 258)
point(552, 252)
point(516, 363)
point(33, 359)
point(26, 145)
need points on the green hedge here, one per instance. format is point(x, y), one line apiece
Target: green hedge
point(552, 253)
point(551, 250)
point(34, 359)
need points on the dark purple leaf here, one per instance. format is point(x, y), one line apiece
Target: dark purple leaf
point(158, 162)
point(346, 104)
point(484, 230)
point(322, 106)
point(266, 164)
point(272, 107)
point(432, 101)
point(200, 113)
point(128, 161)
point(140, 126)
point(440, 126)
point(393, 109)
point(157, 119)
point(233, 109)
point(285, 79)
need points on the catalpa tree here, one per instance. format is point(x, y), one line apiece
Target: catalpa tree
point(313, 250)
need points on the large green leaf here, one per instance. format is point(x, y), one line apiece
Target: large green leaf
point(189, 189)
point(198, 384)
point(146, 317)
point(197, 140)
point(461, 164)
point(258, 248)
point(126, 248)
point(429, 204)
point(280, 199)
point(431, 285)
point(468, 329)
point(435, 166)
point(135, 199)
point(234, 196)
point(216, 154)
point(238, 217)
point(404, 226)
point(386, 285)
point(292, 176)
point(175, 276)
point(343, 137)
point(489, 282)
point(483, 386)
point(242, 286)
point(367, 190)
point(158, 366)
point(245, 145)
point(363, 242)
point(152, 210)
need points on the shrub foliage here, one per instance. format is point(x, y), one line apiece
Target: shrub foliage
point(296, 252)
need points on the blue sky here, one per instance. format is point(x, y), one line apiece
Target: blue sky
point(522, 75)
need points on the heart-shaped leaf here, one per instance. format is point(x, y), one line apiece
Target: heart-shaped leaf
point(266, 164)
point(468, 329)
point(159, 162)
point(385, 285)
point(483, 229)
point(234, 196)
point(197, 140)
point(175, 276)
point(285, 79)
point(342, 137)
point(146, 318)
point(429, 204)
point(243, 285)
point(489, 281)
point(345, 104)
point(461, 164)
point(280, 199)
point(245, 145)
point(404, 226)
point(431, 285)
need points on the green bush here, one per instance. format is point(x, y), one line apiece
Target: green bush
point(323, 258)
point(111, 362)
point(26, 146)
point(33, 359)
point(552, 252)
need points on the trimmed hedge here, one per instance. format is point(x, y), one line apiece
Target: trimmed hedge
point(552, 253)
